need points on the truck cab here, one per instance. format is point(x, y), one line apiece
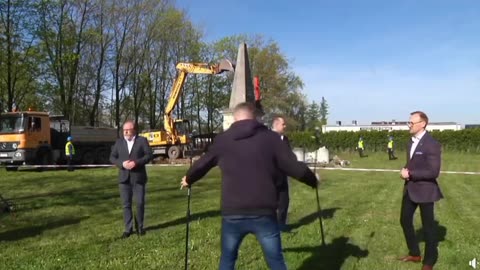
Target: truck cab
point(25, 138)
point(37, 138)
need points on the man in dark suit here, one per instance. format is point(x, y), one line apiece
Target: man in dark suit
point(279, 125)
point(130, 154)
point(421, 189)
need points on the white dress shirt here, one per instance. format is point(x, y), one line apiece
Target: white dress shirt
point(130, 144)
point(415, 140)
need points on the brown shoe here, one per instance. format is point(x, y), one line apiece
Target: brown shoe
point(427, 267)
point(411, 259)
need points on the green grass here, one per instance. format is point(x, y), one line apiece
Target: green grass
point(73, 221)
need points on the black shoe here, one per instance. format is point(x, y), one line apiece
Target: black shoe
point(126, 235)
point(141, 232)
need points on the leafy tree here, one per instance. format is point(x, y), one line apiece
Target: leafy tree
point(313, 115)
point(323, 111)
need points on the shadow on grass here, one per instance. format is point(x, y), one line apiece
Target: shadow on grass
point(331, 256)
point(17, 234)
point(83, 196)
point(183, 220)
point(90, 190)
point(441, 233)
point(325, 214)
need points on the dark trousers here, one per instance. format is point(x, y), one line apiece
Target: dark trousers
point(391, 155)
point(127, 191)
point(429, 229)
point(360, 152)
point(283, 203)
point(265, 229)
point(70, 163)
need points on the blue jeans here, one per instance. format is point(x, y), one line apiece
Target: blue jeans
point(265, 228)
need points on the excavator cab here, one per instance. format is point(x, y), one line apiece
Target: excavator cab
point(182, 126)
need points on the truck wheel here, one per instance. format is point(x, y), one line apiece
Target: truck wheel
point(174, 152)
point(102, 156)
point(88, 157)
point(44, 157)
point(11, 169)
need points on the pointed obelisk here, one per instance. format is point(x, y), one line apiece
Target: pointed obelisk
point(242, 87)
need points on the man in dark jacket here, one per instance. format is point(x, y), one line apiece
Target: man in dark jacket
point(250, 156)
point(421, 190)
point(130, 154)
point(279, 126)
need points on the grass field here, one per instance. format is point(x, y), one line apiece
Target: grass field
point(74, 220)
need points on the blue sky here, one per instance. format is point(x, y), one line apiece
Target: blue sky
point(371, 59)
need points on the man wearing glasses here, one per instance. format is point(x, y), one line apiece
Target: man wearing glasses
point(130, 154)
point(421, 189)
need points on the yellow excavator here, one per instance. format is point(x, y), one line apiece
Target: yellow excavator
point(172, 141)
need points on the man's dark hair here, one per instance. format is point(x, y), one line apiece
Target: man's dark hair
point(422, 116)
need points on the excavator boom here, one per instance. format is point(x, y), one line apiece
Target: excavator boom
point(184, 69)
point(172, 135)
point(194, 68)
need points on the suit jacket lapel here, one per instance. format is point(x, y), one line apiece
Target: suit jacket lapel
point(125, 146)
point(419, 144)
point(133, 146)
point(409, 149)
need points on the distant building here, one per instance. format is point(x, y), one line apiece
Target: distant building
point(390, 125)
point(472, 126)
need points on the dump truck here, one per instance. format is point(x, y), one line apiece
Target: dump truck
point(36, 138)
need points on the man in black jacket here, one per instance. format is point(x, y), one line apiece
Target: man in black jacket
point(130, 154)
point(250, 156)
point(279, 125)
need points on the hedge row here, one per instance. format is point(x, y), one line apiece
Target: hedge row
point(466, 140)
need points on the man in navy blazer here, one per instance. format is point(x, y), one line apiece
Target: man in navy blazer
point(421, 189)
point(130, 154)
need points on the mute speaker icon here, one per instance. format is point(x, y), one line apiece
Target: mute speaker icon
point(473, 263)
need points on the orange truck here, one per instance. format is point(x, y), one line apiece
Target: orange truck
point(36, 138)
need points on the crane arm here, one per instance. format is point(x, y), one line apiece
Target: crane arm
point(184, 69)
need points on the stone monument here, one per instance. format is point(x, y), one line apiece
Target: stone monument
point(242, 87)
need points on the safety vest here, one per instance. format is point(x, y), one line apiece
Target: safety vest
point(360, 144)
point(67, 148)
point(390, 145)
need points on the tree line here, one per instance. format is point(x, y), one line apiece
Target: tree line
point(99, 62)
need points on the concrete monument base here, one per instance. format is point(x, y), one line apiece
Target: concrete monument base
point(227, 118)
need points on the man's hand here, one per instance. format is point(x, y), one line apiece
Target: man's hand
point(128, 164)
point(404, 174)
point(184, 182)
point(131, 164)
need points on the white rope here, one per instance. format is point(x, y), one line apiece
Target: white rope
point(180, 165)
point(387, 170)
